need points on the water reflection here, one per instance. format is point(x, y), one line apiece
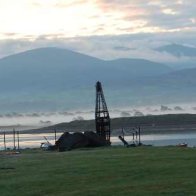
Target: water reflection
point(34, 140)
point(28, 140)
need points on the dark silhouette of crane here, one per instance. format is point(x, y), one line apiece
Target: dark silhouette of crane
point(102, 117)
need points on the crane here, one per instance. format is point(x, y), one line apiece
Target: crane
point(102, 117)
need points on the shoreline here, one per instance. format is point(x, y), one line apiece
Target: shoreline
point(153, 124)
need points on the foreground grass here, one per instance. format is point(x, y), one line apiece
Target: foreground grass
point(104, 171)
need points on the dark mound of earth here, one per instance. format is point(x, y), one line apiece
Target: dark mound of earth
point(69, 141)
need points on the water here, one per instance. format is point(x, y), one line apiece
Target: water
point(34, 140)
point(164, 139)
point(28, 140)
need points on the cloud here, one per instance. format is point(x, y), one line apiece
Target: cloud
point(65, 3)
point(157, 15)
point(109, 47)
point(94, 17)
point(106, 29)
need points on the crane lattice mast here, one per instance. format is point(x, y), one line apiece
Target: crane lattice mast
point(102, 116)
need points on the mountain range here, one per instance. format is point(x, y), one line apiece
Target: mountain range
point(53, 68)
point(185, 56)
point(178, 50)
point(60, 79)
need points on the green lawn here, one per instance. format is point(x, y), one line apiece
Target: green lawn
point(101, 171)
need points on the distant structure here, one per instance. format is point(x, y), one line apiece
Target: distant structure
point(102, 117)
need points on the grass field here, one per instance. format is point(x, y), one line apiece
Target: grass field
point(101, 171)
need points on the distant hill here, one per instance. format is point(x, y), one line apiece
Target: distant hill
point(170, 123)
point(56, 69)
point(178, 86)
point(53, 79)
point(178, 50)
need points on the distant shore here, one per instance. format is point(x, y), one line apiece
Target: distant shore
point(171, 123)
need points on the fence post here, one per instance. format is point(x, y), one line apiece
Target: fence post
point(18, 140)
point(14, 138)
point(4, 140)
point(55, 135)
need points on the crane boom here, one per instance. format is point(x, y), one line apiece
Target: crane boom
point(102, 117)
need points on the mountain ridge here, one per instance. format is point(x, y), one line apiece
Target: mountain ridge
point(56, 67)
point(43, 80)
point(178, 50)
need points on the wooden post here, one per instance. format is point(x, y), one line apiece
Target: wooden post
point(136, 133)
point(18, 140)
point(139, 136)
point(123, 134)
point(4, 141)
point(55, 135)
point(14, 138)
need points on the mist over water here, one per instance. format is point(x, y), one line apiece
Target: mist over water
point(23, 121)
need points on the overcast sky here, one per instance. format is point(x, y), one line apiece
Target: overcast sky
point(93, 24)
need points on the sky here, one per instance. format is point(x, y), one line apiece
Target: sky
point(89, 26)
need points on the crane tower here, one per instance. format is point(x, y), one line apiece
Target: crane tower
point(102, 117)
